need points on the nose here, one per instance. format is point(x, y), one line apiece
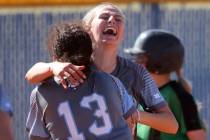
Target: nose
point(111, 20)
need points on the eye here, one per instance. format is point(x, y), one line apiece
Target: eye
point(118, 18)
point(104, 16)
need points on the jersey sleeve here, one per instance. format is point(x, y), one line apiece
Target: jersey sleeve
point(128, 105)
point(5, 104)
point(148, 90)
point(34, 124)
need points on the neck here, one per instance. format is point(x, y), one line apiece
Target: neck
point(161, 79)
point(105, 58)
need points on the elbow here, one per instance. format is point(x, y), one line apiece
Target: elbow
point(29, 78)
point(172, 125)
point(175, 127)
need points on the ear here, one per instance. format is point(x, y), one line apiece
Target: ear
point(145, 61)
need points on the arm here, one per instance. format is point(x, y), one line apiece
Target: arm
point(5, 126)
point(161, 117)
point(197, 134)
point(41, 71)
point(162, 120)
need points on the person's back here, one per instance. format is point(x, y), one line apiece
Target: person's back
point(95, 110)
point(92, 111)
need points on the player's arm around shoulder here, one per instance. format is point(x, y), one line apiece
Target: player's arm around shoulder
point(162, 120)
point(41, 71)
point(38, 72)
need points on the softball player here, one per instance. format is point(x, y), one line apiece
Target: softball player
point(162, 53)
point(94, 110)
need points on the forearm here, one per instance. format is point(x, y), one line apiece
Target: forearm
point(199, 134)
point(39, 72)
point(162, 121)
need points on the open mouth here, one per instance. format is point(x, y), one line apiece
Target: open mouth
point(110, 31)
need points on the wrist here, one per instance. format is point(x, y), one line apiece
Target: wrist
point(136, 116)
point(139, 116)
point(51, 67)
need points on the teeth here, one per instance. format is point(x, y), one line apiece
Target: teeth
point(111, 28)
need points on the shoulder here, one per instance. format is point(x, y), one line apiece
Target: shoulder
point(189, 107)
point(180, 91)
point(33, 96)
point(52, 81)
point(182, 94)
point(167, 89)
point(48, 86)
point(106, 81)
point(129, 66)
point(38, 100)
point(133, 71)
point(103, 77)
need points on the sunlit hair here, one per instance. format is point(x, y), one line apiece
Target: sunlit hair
point(90, 15)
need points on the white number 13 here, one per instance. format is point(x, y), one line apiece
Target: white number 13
point(65, 110)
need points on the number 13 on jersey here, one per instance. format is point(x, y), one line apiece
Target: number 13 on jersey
point(64, 109)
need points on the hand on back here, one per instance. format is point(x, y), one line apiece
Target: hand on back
point(68, 72)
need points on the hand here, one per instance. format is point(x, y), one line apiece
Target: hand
point(68, 71)
point(133, 120)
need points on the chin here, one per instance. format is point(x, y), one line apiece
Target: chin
point(110, 42)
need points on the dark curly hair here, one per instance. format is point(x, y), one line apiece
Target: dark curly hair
point(70, 42)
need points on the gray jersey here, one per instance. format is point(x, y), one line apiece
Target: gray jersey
point(93, 111)
point(139, 84)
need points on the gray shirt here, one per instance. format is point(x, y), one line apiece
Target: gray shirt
point(94, 111)
point(139, 84)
